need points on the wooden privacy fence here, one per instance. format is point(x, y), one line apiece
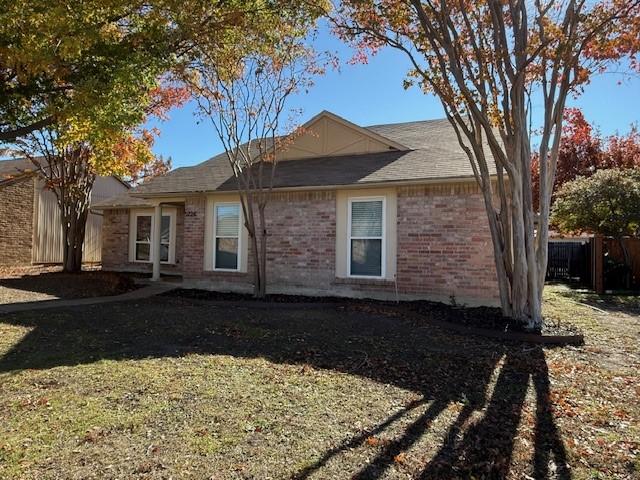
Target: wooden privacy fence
point(613, 263)
point(596, 262)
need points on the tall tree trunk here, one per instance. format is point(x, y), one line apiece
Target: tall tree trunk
point(259, 250)
point(500, 253)
point(66, 264)
point(518, 268)
point(74, 227)
point(257, 278)
point(247, 200)
point(263, 251)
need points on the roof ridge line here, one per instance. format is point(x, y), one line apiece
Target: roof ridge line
point(429, 120)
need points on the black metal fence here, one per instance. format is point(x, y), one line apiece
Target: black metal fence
point(570, 262)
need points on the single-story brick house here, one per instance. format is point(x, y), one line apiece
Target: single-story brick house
point(386, 211)
point(30, 226)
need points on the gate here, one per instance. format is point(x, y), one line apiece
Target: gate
point(569, 262)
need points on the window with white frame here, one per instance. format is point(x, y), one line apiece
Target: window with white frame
point(226, 234)
point(165, 238)
point(143, 228)
point(142, 235)
point(366, 237)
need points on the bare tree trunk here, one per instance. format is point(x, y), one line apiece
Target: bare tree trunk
point(247, 200)
point(263, 250)
point(257, 278)
point(65, 239)
point(73, 231)
point(519, 281)
point(518, 268)
point(73, 195)
point(259, 250)
point(500, 254)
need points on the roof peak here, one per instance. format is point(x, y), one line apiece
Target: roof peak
point(358, 128)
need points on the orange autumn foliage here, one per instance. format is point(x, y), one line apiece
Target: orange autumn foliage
point(583, 151)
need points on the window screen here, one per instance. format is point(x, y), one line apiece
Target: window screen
point(366, 236)
point(165, 238)
point(143, 238)
point(227, 236)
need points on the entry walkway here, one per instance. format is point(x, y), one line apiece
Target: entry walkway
point(140, 293)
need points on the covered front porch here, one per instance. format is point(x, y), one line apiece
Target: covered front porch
point(145, 238)
point(164, 249)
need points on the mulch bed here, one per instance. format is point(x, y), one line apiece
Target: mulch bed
point(466, 319)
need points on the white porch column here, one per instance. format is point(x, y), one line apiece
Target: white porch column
point(155, 249)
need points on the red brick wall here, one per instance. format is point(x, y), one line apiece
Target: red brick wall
point(16, 222)
point(193, 255)
point(115, 244)
point(444, 244)
point(194, 239)
point(115, 239)
point(300, 248)
point(302, 239)
point(443, 247)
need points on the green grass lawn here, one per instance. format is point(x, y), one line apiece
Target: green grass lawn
point(181, 388)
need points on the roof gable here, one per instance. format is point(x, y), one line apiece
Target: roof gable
point(328, 135)
point(427, 151)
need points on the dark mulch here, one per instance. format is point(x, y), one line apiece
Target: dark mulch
point(53, 285)
point(475, 317)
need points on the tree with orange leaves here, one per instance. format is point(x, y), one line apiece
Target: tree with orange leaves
point(69, 156)
point(488, 61)
point(583, 151)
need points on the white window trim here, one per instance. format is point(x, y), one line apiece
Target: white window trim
point(215, 236)
point(166, 212)
point(383, 258)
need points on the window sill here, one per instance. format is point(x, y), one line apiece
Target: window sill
point(149, 262)
point(226, 272)
point(363, 281)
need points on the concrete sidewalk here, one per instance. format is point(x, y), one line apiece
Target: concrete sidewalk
point(140, 293)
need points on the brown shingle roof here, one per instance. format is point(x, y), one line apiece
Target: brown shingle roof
point(12, 168)
point(434, 155)
point(15, 167)
point(124, 200)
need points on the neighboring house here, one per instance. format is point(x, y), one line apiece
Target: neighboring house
point(388, 211)
point(30, 228)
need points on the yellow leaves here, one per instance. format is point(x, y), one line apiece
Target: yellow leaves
point(123, 153)
point(111, 32)
point(76, 130)
point(495, 115)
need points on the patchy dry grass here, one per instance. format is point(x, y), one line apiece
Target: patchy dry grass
point(182, 388)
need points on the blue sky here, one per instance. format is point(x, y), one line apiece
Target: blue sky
point(373, 93)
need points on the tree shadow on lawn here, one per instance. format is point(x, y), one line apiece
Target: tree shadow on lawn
point(626, 302)
point(71, 285)
point(441, 366)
